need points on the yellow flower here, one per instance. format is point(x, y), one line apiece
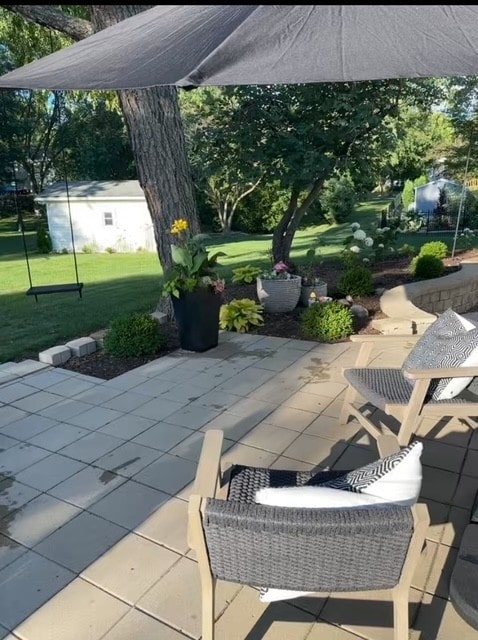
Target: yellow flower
point(179, 226)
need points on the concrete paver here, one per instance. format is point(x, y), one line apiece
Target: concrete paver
point(26, 584)
point(9, 551)
point(139, 624)
point(59, 437)
point(95, 477)
point(141, 502)
point(80, 541)
point(162, 436)
point(28, 427)
point(87, 486)
point(37, 519)
point(91, 447)
point(167, 599)
point(49, 472)
point(169, 474)
point(127, 459)
point(130, 568)
point(20, 457)
point(79, 611)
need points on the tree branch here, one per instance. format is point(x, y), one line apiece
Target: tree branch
point(46, 16)
point(311, 196)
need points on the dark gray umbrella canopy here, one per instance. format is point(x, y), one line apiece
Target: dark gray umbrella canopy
point(258, 44)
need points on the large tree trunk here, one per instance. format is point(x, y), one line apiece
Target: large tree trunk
point(159, 147)
point(290, 221)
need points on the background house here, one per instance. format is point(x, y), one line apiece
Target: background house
point(105, 214)
point(427, 195)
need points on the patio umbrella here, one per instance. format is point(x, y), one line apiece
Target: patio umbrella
point(260, 44)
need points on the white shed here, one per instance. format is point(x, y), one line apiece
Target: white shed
point(106, 214)
point(427, 195)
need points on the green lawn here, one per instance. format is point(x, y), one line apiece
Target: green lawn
point(120, 283)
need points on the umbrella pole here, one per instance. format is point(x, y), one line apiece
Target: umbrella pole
point(462, 198)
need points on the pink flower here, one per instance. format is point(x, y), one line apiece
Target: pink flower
point(281, 267)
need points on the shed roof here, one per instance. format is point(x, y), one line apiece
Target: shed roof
point(440, 182)
point(93, 190)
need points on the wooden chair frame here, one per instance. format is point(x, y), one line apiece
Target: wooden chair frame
point(209, 483)
point(411, 415)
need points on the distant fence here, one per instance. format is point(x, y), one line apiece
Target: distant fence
point(471, 182)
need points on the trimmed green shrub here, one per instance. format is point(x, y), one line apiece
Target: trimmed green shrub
point(132, 336)
point(44, 244)
point(338, 198)
point(245, 275)
point(327, 321)
point(408, 195)
point(89, 248)
point(240, 315)
point(356, 281)
point(426, 267)
point(438, 249)
point(110, 250)
point(407, 250)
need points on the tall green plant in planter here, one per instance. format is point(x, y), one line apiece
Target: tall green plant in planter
point(195, 290)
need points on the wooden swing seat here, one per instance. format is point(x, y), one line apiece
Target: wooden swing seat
point(55, 288)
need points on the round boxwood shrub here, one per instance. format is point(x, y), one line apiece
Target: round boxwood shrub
point(356, 281)
point(438, 249)
point(134, 335)
point(426, 267)
point(327, 322)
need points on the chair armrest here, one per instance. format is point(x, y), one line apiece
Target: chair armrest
point(430, 374)
point(209, 467)
point(384, 339)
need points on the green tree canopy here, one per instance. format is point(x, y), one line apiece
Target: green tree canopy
point(303, 134)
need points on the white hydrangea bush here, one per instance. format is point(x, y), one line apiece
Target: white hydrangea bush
point(369, 246)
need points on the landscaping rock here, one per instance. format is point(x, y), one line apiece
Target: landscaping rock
point(99, 336)
point(161, 317)
point(82, 346)
point(55, 355)
point(379, 291)
point(345, 302)
point(359, 311)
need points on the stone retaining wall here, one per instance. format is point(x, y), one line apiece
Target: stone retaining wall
point(411, 308)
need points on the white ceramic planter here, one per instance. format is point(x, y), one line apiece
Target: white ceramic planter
point(279, 296)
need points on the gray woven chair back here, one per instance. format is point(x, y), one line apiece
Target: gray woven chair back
point(307, 549)
point(246, 481)
point(389, 386)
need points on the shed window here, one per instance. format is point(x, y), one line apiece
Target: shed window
point(108, 218)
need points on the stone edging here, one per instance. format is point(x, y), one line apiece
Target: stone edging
point(411, 308)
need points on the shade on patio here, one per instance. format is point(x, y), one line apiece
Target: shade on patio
point(258, 44)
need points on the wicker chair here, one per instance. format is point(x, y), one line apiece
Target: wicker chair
point(403, 396)
point(314, 550)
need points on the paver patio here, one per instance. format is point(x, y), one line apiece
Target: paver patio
point(95, 477)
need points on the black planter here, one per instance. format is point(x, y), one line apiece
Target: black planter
point(197, 317)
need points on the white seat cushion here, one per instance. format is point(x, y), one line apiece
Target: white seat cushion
point(395, 479)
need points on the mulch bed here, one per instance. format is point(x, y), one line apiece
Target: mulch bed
point(386, 275)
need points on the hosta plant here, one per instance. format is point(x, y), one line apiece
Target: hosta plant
point(245, 275)
point(240, 315)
